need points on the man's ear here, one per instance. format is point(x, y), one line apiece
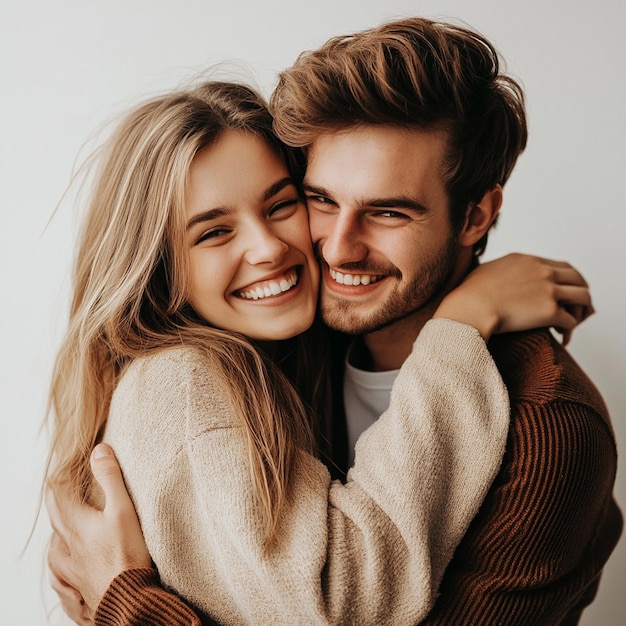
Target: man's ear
point(481, 216)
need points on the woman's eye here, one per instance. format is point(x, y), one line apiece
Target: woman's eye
point(284, 207)
point(214, 233)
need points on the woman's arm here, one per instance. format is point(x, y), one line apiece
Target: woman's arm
point(519, 292)
point(381, 490)
point(374, 548)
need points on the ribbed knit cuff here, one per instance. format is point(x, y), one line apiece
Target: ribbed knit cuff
point(136, 598)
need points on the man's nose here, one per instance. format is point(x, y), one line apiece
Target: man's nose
point(264, 246)
point(344, 241)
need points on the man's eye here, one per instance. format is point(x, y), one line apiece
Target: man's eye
point(321, 204)
point(392, 215)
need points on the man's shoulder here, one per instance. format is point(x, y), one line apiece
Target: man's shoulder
point(539, 371)
point(549, 521)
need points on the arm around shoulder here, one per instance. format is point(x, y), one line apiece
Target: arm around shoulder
point(535, 552)
point(419, 478)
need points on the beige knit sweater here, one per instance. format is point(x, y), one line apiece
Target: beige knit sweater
point(372, 551)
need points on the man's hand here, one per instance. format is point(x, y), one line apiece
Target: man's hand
point(72, 602)
point(89, 548)
point(520, 292)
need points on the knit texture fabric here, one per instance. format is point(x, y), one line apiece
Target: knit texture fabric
point(372, 551)
point(534, 554)
point(149, 603)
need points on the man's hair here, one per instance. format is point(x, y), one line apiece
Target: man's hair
point(412, 73)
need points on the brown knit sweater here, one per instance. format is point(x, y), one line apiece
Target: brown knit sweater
point(535, 551)
point(534, 554)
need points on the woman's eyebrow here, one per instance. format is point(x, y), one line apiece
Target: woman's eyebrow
point(205, 216)
point(211, 214)
point(272, 190)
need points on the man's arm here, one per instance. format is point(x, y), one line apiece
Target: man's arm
point(535, 552)
point(135, 596)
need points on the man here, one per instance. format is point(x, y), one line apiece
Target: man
point(410, 132)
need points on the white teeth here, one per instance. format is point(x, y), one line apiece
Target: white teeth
point(271, 288)
point(353, 279)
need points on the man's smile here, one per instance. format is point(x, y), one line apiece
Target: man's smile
point(353, 279)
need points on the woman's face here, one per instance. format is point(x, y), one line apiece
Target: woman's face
point(252, 268)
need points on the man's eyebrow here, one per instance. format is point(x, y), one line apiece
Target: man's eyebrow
point(211, 214)
point(403, 202)
point(320, 191)
point(396, 202)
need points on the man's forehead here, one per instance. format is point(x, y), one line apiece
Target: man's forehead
point(375, 160)
point(380, 142)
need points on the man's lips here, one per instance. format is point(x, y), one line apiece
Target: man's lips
point(270, 288)
point(345, 278)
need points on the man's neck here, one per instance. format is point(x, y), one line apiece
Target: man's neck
point(387, 348)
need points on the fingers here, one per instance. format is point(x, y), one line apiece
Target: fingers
point(562, 271)
point(71, 601)
point(63, 583)
point(566, 275)
point(572, 295)
point(59, 561)
point(107, 472)
point(575, 301)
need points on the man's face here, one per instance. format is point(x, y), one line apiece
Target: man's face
point(379, 217)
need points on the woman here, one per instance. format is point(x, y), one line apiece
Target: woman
point(195, 283)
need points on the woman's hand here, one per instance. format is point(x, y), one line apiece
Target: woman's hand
point(89, 548)
point(520, 292)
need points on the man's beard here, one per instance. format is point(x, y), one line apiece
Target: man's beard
point(424, 291)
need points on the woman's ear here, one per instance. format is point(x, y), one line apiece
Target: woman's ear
point(480, 217)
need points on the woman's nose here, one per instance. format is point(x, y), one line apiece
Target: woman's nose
point(264, 246)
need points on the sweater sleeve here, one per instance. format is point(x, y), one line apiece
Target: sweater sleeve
point(136, 598)
point(372, 551)
point(534, 554)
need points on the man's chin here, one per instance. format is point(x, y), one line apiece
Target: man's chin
point(344, 321)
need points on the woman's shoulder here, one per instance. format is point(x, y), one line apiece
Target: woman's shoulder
point(171, 370)
point(173, 383)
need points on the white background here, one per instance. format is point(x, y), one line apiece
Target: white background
point(68, 66)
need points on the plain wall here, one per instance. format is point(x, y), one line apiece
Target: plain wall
point(68, 66)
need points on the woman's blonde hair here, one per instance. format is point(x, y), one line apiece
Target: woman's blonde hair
point(129, 289)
